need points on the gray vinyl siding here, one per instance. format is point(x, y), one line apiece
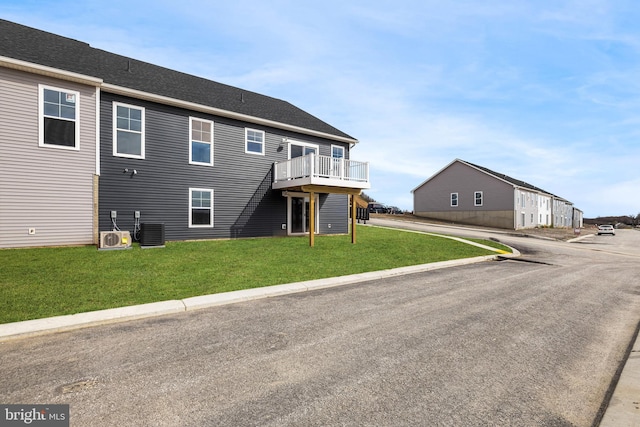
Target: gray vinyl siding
point(334, 212)
point(435, 195)
point(433, 198)
point(244, 204)
point(45, 188)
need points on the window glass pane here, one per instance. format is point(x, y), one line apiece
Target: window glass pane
point(254, 136)
point(135, 114)
point(67, 99)
point(59, 132)
point(51, 110)
point(129, 143)
point(309, 150)
point(254, 147)
point(123, 123)
point(200, 152)
point(201, 199)
point(296, 151)
point(206, 127)
point(195, 199)
point(122, 112)
point(337, 152)
point(200, 217)
point(52, 96)
point(135, 125)
point(68, 112)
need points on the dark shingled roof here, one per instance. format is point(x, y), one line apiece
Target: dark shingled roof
point(42, 48)
point(507, 178)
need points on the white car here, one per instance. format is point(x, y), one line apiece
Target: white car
point(606, 229)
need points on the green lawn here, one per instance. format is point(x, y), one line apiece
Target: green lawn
point(44, 282)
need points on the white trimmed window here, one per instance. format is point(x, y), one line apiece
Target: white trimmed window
point(201, 143)
point(477, 198)
point(454, 199)
point(128, 131)
point(200, 208)
point(337, 152)
point(59, 125)
point(254, 141)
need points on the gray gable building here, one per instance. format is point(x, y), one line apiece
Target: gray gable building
point(463, 192)
point(93, 141)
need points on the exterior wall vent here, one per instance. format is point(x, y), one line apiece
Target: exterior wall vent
point(152, 234)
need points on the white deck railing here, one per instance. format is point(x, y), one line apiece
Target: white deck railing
point(317, 166)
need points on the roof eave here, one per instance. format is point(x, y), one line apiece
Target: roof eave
point(29, 67)
point(120, 90)
point(43, 70)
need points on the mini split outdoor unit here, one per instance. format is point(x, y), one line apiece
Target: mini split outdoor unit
point(115, 240)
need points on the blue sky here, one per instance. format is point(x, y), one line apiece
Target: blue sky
point(544, 91)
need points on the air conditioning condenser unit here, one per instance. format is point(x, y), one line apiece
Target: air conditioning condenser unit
point(115, 240)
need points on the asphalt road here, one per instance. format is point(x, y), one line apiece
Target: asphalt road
point(533, 342)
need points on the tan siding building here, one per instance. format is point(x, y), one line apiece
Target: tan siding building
point(46, 190)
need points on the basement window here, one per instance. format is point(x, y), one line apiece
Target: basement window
point(200, 208)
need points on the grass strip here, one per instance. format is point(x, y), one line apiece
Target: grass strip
point(43, 282)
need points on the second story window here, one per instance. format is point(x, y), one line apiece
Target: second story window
point(201, 143)
point(128, 131)
point(59, 118)
point(454, 199)
point(337, 152)
point(254, 141)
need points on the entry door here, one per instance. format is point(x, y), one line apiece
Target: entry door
point(299, 214)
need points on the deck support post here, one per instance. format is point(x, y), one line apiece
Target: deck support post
point(353, 218)
point(312, 218)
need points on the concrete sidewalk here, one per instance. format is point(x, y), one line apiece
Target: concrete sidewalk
point(624, 406)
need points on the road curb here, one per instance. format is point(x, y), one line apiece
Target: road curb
point(624, 406)
point(68, 322)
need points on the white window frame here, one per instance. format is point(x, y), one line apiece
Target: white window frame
point(192, 140)
point(304, 145)
point(41, 117)
point(341, 148)
point(457, 200)
point(246, 141)
point(191, 207)
point(115, 131)
point(475, 198)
